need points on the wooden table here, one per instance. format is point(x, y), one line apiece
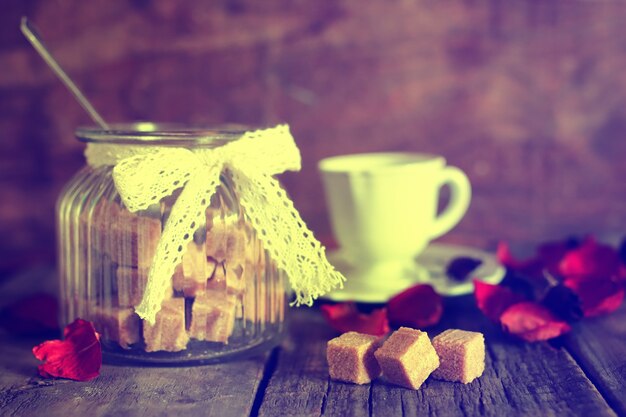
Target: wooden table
point(584, 377)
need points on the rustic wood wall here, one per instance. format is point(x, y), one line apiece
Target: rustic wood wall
point(528, 97)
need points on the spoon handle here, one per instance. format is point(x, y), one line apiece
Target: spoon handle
point(28, 29)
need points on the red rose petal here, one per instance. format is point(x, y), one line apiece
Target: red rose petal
point(548, 257)
point(551, 254)
point(590, 260)
point(532, 322)
point(345, 317)
point(493, 300)
point(78, 357)
point(597, 296)
point(418, 307)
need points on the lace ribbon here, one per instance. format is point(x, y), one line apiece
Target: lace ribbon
point(143, 175)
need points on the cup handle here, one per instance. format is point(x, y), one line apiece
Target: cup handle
point(460, 196)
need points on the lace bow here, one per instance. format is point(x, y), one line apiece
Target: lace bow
point(143, 175)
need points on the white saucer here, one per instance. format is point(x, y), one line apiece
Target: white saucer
point(429, 268)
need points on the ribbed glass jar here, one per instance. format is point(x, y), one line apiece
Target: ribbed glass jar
point(227, 297)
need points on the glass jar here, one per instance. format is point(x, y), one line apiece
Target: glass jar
point(227, 297)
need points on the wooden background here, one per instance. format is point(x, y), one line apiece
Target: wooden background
point(528, 97)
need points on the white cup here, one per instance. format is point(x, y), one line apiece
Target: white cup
point(383, 211)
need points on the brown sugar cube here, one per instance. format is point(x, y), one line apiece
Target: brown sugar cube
point(121, 325)
point(229, 279)
point(462, 355)
point(135, 241)
point(351, 358)
point(253, 296)
point(236, 276)
point(130, 239)
point(279, 297)
point(195, 265)
point(194, 271)
point(168, 332)
point(255, 252)
point(217, 281)
point(131, 283)
point(407, 358)
point(264, 299)
point(215, 243)
point(225, 240)
point(213, 316)
point(237, 244)
point(178, 279)
point(97, 269)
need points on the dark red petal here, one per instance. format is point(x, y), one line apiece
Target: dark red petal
point(563, 302)
point(597, 296)
point(492, 300)
point(532, 322)
point(78, 357)
point(547, 257)
point(590, 260)
point(551, 254)
point(345, 317)
point(34, 315)
point(418, 307)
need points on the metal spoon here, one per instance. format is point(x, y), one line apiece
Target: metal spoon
point(28, 29)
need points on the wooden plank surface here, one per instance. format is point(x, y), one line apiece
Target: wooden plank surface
point(227, 389)
point(520, 379)
point(213, 390)
point(299, 384)
point(599, 347)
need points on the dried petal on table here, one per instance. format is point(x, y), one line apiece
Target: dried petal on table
point(532, 322)
point(493, 300)
point(564, 302)
point(591, 260)
point(345, 317)
point(597, 296)
point(552, 253)
point(547, 257)
point(78, 357)
point(417, 307)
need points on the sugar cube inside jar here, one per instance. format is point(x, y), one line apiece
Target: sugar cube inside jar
point(225, 298)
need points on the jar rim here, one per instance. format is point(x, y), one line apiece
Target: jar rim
point(162, 134)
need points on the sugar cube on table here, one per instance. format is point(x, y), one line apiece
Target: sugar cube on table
point(213, 316)
point(462, 355)
point(407, 358)
point(168, 332)
point(121, 325)
point(351, 358)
